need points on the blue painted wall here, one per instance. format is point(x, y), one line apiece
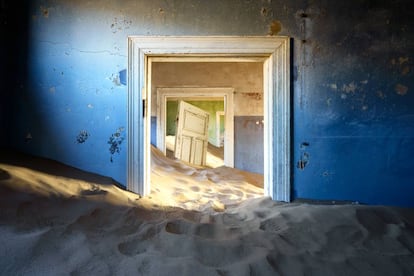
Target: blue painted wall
point(352, 84)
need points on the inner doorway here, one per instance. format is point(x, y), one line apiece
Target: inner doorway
point(213, 156)
point(224, 94)
point(272, 51)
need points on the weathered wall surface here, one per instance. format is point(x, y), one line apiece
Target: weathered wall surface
point(352, 84)
point(245, 77)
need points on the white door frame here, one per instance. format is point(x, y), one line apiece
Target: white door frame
point(274, 51)
point(194, 93)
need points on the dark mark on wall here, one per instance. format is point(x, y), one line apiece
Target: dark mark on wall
point(45, 12)
point(120, 24)
point(264, 11)
point(115, 141)
point(82, 137)
point(303, 161)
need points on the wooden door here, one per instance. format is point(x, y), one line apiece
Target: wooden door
point(191, 134)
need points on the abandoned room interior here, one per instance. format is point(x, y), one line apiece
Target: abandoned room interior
point(214, 137)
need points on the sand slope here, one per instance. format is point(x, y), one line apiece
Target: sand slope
point(56, 220)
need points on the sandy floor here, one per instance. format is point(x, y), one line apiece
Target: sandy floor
point(57, 220)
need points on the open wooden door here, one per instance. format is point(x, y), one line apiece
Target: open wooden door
point(191, 136)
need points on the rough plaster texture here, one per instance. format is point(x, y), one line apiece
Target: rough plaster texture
point(352, 83)
point(245, 77)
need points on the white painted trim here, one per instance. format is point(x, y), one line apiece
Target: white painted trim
point(275, 51)
point(226, 93)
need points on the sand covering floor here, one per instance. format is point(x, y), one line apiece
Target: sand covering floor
point(57, 220)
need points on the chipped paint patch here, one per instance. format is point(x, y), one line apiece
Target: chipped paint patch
point(304, 158)
point(115, 79)
point(120, 24)
point(401, 89)
point(349, 88)
point(82, 137)
point(381, 94)
point(115, 141)
point(333, 86)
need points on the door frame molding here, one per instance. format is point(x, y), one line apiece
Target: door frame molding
point(274, 51)
point(189, 93)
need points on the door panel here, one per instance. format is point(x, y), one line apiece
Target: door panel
point(191, 134)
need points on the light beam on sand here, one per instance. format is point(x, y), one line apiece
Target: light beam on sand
point(174, 184)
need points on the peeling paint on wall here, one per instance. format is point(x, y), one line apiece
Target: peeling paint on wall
point(304, 157)
point(120, 24)
point(115, 79)
point(82, 137)
point(115, 141)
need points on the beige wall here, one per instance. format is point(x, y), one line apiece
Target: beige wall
point(245, 77)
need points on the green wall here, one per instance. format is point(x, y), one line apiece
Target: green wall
point(210, 106)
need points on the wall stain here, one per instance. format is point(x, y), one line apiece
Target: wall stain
point(45, 12)
point(254, 95)
point(401, 89)
point(275, 27)
point(115, 141)
point(120, 24)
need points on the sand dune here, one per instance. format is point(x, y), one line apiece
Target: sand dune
point(57, 220)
